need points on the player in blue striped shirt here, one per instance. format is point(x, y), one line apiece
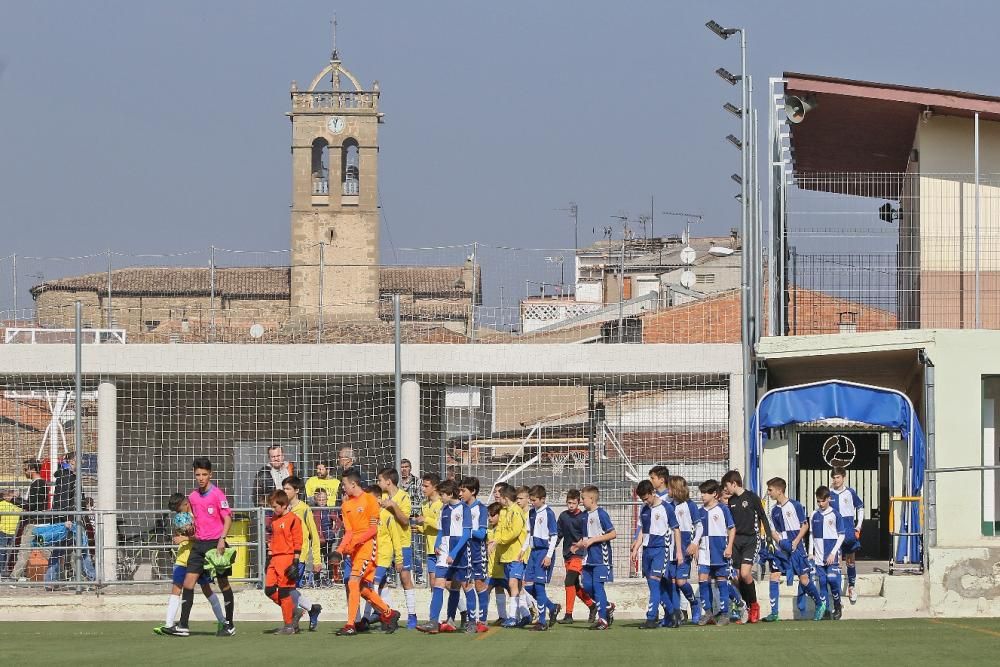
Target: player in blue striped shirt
point(452, 569)
point(689, 522)
point(715, 549)
point(852, 514)
point(789, 528)
point(598, 568)
point(477, 593)
point(825, 541)
point(543, 534)
point(659, 539)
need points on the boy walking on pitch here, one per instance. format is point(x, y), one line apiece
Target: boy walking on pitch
point(851, 509)
point(598, 568)
point(452, 558)
point(511, 535)
point(283, 569)
point(715, 549)
point(427, 522)
point(293, 486)
point(689, 524)
point(788, 519)
point(361, 514)
point(570, 527)
point(825, 541)
point(183, 532)
point(749, 518)
point(494, 569)
point(399, 504)
point(659, 542)
point(212, 518)
point(544, 533)
point(477, 594)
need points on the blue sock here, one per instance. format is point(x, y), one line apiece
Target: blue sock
point(452, 604)
point(688, 592)
point(654, 598)
point(774, 592)
point(705, 589)
point(800, 596)
point(470, 604)
point(675, 595)
point(484, 603)
point(821, 583)
point(667, 593)
point(601, 597)
point(834, 579)
point(543, 602)
point(852, 574)
point(437, 599)
point(724, 593)
point(812, 592)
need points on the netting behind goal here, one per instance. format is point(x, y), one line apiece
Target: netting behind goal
point(561, 432)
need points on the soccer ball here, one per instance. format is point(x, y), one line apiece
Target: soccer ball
point(184, 523)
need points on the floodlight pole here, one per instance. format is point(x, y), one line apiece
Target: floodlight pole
point(979, 321)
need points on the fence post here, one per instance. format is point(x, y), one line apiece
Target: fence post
point(261, 545)
point(979, 320)
point(397, 400)
point(107, 480)
point(472, 299)
point(77, 475)
point(110, 311)
point(321, 277)
point(211, 297)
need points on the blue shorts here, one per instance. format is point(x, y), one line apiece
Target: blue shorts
point(477, 560)
point(534, 573)
point(452, 573)
point(180, 571)
point(514, 570)
point(796, 563)
point(716, 571)
point(495, 582)
point(380, 575)
point(407, 558)
point(654, 562)
point(432, 563)
point(683, 570)
point(828, 571)
point(601, 573)
point(851, 544)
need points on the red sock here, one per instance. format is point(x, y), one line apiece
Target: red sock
point(287, 609)
point(570, 599)
point(584, 598)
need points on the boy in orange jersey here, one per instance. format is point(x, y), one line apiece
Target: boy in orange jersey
point(283, 558)
point(361, 513)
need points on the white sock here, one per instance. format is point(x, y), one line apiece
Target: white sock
point(512, 607)
point(411, 602)
point(501, 598)
point(173, 604)
point(461, 602)
point(522, 605)
point(530, 601)
point(301, 600)
point(220, 615)
point(386, 595)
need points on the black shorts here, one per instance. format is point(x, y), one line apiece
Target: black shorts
point(196, 560)
point(745, 548)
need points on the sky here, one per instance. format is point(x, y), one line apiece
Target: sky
point(159, 127)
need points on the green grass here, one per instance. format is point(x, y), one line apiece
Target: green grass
point(882, 642)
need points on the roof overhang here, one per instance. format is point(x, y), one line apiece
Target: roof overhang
point(862, 127)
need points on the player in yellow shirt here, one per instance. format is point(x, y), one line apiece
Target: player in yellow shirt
point(509, 538)
point(398, 503)
point(293, 487)
point(183, 533)
point(322, 480)
point(494, 568)
point(427, 524)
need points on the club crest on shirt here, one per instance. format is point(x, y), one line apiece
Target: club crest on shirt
point(211, 510)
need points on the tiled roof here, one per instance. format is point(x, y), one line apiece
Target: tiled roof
point(251, 282)
point(29, 414)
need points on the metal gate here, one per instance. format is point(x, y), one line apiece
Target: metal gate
point(867, 471)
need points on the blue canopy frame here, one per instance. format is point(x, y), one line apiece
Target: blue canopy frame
point(868, 404)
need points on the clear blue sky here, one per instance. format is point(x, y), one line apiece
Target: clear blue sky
point(160, 127)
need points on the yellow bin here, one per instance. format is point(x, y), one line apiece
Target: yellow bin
point(238, 537)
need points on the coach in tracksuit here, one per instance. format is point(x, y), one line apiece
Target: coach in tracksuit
point(749, 516)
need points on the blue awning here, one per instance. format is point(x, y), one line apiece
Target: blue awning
point(856, 402)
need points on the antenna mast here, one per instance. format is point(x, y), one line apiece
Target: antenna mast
point(334, 56)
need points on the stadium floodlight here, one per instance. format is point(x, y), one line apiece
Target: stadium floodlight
point(724, 33)
point(738, 197)
point(737, 179)
point(726, 75)
point(734, 141)
point(733, 109)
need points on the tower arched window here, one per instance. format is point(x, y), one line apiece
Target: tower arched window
point(320, 167)
point(350, 170)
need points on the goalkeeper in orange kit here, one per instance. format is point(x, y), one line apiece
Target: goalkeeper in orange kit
point(361, 512)
point(283, 556)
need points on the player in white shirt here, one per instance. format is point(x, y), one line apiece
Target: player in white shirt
point(851, 509)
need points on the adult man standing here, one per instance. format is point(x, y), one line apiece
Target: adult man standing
point(749, 517)
point(35, 502)
point(322, 480)
point(270, 477)
point(411, 484)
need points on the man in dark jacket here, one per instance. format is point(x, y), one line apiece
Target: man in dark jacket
point(35, 501)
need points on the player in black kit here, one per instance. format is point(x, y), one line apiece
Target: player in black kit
point(749, 517)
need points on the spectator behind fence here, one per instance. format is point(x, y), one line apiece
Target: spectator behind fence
point(322, 480)
point(346, 461)
point(411, 484)
point(270, 476)
point(35, 502)
point(10, 516)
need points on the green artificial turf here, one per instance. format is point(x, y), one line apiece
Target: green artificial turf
point(900, 642)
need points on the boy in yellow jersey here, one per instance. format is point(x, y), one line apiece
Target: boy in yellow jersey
point(494, 568)
point(293, 487)
point(398, 503)
point(508, 541)
point(528, 602)
point(183, 532)
point(428, 523)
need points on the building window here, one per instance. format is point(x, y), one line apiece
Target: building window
point(704, 278)
point(151, 325)
point(320, 167)
point(351, 168)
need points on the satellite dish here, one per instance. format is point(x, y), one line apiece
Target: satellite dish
point(257, 330)
point(687, 279)
point(688, 255)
